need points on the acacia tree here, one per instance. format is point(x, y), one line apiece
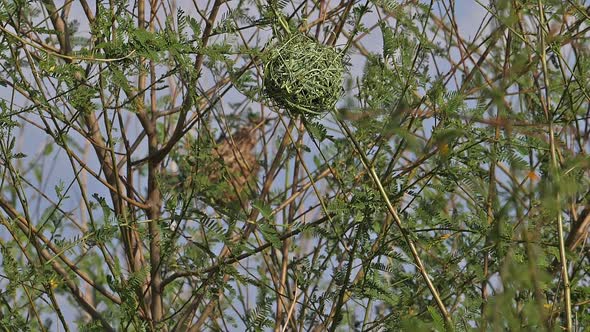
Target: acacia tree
point(152, 179)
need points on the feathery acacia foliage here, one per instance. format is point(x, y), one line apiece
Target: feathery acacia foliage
point(446, 190)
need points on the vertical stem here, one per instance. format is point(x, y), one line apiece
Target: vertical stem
point(284, 24)
point(555, 165)
point(492, 186)
point(345, 285)
point(287, 242)
point(397, 219)
point(83, 181)
point(154, 196)
point(490, 220)
point(155, 204)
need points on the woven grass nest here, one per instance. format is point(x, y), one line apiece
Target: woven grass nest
point(302, 75)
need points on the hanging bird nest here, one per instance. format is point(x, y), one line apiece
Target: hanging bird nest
point(302, 75)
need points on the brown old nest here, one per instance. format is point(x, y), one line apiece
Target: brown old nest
point(221, 172)
point(236, 163)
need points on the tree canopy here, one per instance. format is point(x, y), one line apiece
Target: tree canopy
point(299, 165)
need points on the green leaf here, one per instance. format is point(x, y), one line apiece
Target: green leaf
point(388, 40)
point(264, 209)
point(316, 130)
point(270, 234)
point(437, 319)
point(48, 149)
